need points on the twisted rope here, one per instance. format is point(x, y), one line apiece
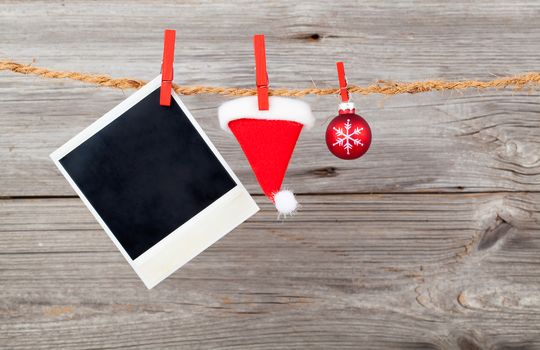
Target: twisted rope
point(384, 87)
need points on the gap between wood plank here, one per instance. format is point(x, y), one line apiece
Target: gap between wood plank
point(311, 194)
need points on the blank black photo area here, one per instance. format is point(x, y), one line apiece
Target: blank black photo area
point(147, 173)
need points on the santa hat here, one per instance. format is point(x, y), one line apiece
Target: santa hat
point(268, 138)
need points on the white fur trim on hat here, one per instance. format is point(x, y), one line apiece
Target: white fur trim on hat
point(281, 108)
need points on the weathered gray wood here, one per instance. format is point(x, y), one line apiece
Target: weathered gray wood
point(454, 267)
point(433, 142)
point(356, 271)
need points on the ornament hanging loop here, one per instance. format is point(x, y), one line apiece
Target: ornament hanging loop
point(346, 106)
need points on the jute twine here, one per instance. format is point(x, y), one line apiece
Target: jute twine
point(384, 87)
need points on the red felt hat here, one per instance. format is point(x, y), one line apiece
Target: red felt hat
point(268, 139)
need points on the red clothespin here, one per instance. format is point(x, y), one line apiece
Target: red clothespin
point(167, 68)
point(342, 82)
point(260, 72)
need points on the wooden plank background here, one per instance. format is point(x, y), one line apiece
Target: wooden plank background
point(430, 241)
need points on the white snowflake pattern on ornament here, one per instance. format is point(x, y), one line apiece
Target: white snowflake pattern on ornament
point(344, 138)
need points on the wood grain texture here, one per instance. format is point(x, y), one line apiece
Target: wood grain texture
point(430, 241)
point(433, 142)
point(395, 271)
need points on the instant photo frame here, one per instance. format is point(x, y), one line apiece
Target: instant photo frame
point(155, 183)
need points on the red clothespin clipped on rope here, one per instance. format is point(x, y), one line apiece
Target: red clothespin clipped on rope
point(167, 68)
point(260, 72)
point(346, 105)
point(342, 82)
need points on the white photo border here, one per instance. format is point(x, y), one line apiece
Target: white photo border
point(192, 237)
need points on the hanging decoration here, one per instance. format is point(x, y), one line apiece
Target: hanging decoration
point(267, 129)
point(348, 136)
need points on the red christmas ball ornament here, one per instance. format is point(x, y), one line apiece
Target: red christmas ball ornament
point(348, 136)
